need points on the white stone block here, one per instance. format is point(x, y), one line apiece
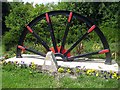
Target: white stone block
point(50, 63)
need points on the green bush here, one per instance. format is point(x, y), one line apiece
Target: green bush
point(105, 15)
point(20, 14)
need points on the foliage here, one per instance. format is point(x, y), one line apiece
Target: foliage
point(103, 14)
point(99, 12)
point(14, 73)
point(16, 21)
point(5, 11)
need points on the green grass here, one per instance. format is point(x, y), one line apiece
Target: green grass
point(0, 77)
point(22, 78)
point(88, 82)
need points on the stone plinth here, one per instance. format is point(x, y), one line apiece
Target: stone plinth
point(50, 63)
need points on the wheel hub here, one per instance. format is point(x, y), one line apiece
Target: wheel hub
point(58, 48)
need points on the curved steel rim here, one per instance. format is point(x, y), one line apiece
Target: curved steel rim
point(75, 15)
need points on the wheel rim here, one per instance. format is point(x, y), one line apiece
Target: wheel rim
point(61, 51)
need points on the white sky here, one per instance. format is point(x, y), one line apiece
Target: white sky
point(40, 1)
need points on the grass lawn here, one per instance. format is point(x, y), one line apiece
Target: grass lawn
point(22, 78)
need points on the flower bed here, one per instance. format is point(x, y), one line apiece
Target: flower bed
point(77, 71)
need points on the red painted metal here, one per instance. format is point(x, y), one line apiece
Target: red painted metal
point(70, 17)
point(104, 51)
point(21, 47)
point(91, 29)
point(30, 30)
point(63, 51)
point(47, 17)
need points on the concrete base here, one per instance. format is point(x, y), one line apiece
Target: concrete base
point(97, 64)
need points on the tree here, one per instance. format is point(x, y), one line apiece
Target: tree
point(105, 14)
point(5, 12)
point(20, 14)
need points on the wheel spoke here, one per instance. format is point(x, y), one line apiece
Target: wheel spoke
point(51, 32)
point(79, 40)
point(66, 32)
point(61, 51)
point(92, 53)
point(38, 38)
point(34, 51)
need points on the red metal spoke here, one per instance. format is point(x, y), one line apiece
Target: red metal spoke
point(91, 29)
point(31, 50)
point(66, 31)
point(88, 54)
point(79, 40)
point(51, 32)
point(38, 38)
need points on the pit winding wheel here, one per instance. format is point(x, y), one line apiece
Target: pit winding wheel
point(60, 50)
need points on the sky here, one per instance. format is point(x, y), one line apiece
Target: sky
point(40, 1)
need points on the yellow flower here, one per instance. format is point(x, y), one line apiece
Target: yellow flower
point(15, 62)
point(89, 72)
point(68, 70)
point(92, 70)
point(61, 70)
point(33, 66)
point(97, 74)
point(77, 70)
point(114, 75)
